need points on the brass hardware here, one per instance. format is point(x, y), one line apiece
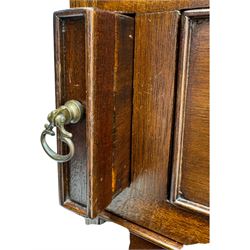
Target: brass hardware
point(70, 112)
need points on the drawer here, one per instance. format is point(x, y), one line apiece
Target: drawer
point(94, 65)
point(141, 148)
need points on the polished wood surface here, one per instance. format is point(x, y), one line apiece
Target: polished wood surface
point(139, 243)
point(145, 201)
point(91, 47)
point(123, 98)
point(71, 84)
point(140, 6)
point(162, 195)
point(191, 154)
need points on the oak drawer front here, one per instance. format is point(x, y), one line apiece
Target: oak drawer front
point(94, 64)
point(190, 186)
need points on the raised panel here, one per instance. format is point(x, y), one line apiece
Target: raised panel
point(190, 184)
point(94, 64)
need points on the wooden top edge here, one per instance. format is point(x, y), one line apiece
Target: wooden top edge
point(73, 12)
point(137, 6)
point(81, 11)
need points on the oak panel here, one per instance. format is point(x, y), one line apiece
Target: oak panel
point(191, 152)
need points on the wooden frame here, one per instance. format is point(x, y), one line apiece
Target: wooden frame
point(176, 194)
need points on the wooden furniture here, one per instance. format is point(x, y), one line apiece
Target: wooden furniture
point(141, 70)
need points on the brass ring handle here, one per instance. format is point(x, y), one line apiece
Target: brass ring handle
point(70, 112)
point(52, 154)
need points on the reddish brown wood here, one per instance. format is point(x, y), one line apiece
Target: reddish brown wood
point(145, 201)
point(139, 243)
point(94, 62)
point(191, 152)
point(123, 94)
point(140, 6)
point(100, 74)
point(71, 84)
point(144, 207)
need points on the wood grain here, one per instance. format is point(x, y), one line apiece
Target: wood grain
point(191, 154)
point(139, 243)
point(75, 42)
point(123, 99)
point(145, 201)
point(140, 6)
point(143, 207)
point(94, 63)
point(99, 108)
point(71, 84)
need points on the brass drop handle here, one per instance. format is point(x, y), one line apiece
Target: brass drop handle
point(70, 112)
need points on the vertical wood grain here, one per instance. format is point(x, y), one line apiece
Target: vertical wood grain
point(123, 95)
point(94, 64)
point(190, 187)
point(145, 201)
point(71, 84)
point(109, 71)
point(99, 108)
point(144, 204)
point(153, 101)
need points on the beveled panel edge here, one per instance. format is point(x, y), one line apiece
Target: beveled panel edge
point(175, 194)
point(190, 205)
point(76, 208)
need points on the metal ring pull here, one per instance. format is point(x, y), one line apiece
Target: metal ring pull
point(70, 112)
